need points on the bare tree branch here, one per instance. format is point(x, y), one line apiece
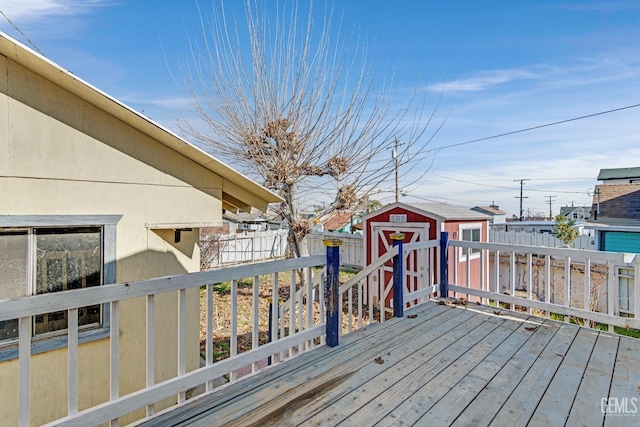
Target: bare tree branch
point(289, 101)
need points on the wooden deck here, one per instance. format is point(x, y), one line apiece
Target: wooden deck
point(440, 365)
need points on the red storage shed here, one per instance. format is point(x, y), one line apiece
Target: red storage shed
point(420, 222)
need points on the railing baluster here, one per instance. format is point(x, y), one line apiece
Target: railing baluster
point(182, 343)
point(529, 279)
point(275, 305)
point(24, 369)
point(72, 349)
point(457, 254)
point(567, 285)
point(114, 353)
point(360, 301)
point(468, 270)
point(512, 277)
point(350, 296)
point(309, 275)
point(612, 292)
point(292, 307)
point(150, 348)
point(497, 271)
point(547, 282)
point(255, 317)
point(587, 288)
point(208, 352)
point(234, 324)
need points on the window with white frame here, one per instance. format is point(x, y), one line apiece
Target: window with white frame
point(470, 233)
point(40, 260)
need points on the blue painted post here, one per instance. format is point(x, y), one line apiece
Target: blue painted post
point(444, 264)
point(332, 290)
point(398, 272)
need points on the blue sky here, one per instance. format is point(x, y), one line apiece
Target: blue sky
point(502, 66)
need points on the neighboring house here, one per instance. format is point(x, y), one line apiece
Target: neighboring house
point(341, 222)
point(497, 215)
point(426, 221)
point(619, 176)
point(615, 217)
point(95, 193)
point(245, 221)
point(576, 213)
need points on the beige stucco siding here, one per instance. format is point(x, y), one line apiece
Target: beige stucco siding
point(60, 155)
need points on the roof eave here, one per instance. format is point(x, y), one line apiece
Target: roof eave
point(46, 68)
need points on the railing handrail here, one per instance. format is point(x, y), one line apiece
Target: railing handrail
point(605, 318)
point(57, 301)
point(369, 269)
point(420, 245)
point(543, 250)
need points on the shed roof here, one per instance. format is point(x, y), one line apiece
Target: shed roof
point(440, 211)
point(619, 173)
point(450, 212)
point(239, 191)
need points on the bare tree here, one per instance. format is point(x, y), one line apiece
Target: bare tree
point(291, 105)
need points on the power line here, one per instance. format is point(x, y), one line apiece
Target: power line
point(505, 187)
point(23, 34)
point(536, 127)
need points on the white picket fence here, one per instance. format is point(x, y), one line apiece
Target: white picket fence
point(540, 239)
point(351, 249)
point(255, 246)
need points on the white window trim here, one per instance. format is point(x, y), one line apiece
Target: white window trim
point(108, 223)
point(462, 251)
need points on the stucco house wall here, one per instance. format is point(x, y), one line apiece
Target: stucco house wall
point(65, 156)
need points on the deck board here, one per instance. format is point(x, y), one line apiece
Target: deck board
point(495, 393)
point(596, 383)
point(625, 383)
point(448, 365)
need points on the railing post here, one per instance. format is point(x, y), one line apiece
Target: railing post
point(398, 272)
point(444, 264)
point(332, 290)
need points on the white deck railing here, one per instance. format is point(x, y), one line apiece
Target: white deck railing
point(573, 283)
point(299, 334)
point(581, 285)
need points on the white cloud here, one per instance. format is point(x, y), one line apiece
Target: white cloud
point(484, 80)
point(30, 10)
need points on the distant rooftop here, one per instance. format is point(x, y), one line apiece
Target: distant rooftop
point(617, 202)
point(566, 210)
point(492, 210)
point(619, 173)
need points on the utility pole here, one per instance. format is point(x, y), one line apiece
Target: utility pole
point(522, 180)
point(395, 157)
point(550, 210)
